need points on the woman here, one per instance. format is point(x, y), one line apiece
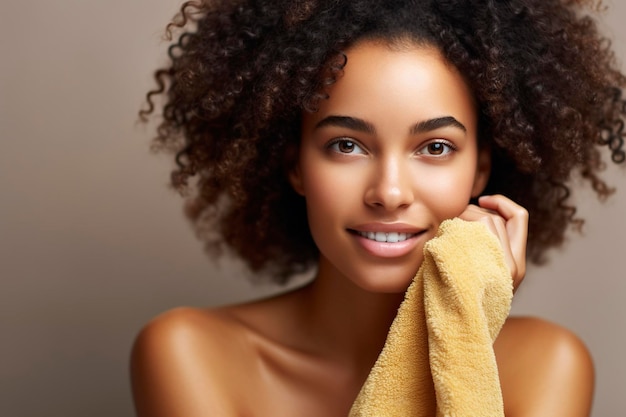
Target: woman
point(339, 135)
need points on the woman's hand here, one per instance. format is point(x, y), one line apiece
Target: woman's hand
point(509, 222)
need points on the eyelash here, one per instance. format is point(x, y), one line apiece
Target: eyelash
point(451, 148)
point(336, 142)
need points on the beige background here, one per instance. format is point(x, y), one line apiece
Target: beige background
point(93, 243)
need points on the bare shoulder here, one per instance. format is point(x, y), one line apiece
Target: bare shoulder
point(545, 369)
point(181, 363)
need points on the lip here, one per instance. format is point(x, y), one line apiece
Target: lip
point(387, 227)
point(388, 249)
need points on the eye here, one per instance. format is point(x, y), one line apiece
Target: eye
point(345, 146)
point(437, 148)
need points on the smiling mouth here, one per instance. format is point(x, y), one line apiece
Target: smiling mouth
point(390, 237)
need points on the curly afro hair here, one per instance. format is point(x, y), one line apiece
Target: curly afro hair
point(242, 72)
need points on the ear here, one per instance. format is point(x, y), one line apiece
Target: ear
point(292, 164)
point(483, 171)
point(295, 178)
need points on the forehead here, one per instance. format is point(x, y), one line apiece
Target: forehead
point(398, 84)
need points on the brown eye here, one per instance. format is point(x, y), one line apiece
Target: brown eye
point(437, 148)
point(346, 146)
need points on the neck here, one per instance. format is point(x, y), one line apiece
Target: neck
point(344, 321)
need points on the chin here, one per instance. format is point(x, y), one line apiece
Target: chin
point(385, 282)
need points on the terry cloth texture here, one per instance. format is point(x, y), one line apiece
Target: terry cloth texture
point(438, 359)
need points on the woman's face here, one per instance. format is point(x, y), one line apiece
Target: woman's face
point(390, 155)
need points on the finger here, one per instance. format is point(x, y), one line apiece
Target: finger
point(477, 214)
point(496, 225)
point(492, 213)
point(516, 220)
point(505, 242)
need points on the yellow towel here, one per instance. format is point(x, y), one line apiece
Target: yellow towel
point(438, 359)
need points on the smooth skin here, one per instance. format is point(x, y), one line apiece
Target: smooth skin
point(393, 149)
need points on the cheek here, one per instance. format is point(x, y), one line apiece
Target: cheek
point(447, 194)
point(328, 192)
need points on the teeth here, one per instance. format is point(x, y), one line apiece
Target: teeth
point(391, 237)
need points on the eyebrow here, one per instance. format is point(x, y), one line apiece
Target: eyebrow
point(352, 123)
point(360, 125)
point(437, 123)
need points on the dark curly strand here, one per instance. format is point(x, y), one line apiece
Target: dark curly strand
point(549, 94)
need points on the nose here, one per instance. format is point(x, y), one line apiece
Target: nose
point(390, 185)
